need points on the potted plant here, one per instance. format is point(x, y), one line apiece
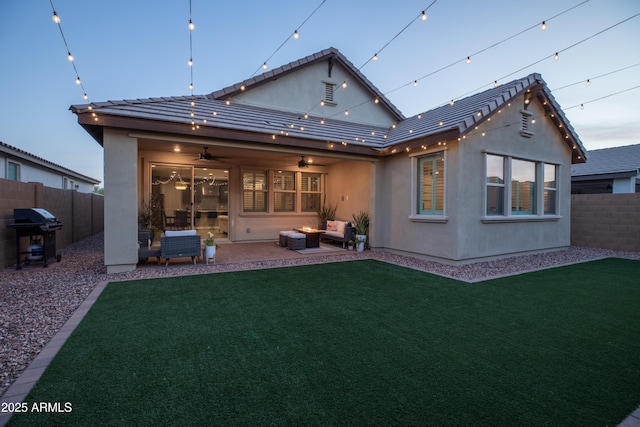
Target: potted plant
point(350, 244)
point(326, 213)
point(145, 220)
point(210, 246)
point(361, 224)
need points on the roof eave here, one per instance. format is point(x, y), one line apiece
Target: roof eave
point(96, 130)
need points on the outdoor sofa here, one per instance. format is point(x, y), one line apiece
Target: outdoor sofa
point(339, 231)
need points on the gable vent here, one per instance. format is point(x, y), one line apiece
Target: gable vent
point(525, 130)
point(328, 93)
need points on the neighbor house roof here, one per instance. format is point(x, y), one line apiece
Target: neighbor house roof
point(18, 153)
point(216, 116)
point(618, 161)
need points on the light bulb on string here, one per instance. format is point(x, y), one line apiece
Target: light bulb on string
point(556, 56)
point(191, 86)
point(423, 16)
point(70, 57)
point(543, 26)
point(296, 35)
point(344, 84)
point(264, 66)
point(78, 80)
point(495, 83)
point(190, 62)
point(582, 106)
point(375, 57)
point(191, 25)
point(468, 60)
point(85, 96)
point(415, 83)
point(55, 17)
point(588, 83)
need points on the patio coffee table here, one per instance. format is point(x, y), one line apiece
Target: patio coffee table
point(313, 236)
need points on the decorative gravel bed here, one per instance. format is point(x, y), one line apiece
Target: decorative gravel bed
point(36, 302)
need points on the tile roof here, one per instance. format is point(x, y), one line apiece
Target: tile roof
point(459, 118)
point(610, 161)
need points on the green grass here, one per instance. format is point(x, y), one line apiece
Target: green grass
point(354, 343)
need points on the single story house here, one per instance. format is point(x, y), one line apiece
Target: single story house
point(19, 165)
point(484, 177)
point(609, 170)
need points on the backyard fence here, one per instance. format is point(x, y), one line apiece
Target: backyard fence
point(610, 221)
point(82, 214)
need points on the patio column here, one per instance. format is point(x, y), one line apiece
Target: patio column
point(120, 201)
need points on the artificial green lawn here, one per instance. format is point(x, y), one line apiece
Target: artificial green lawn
point(354, 343)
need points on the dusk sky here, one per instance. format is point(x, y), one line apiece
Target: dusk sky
point(139, 49)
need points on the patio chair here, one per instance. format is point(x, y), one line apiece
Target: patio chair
point(180, 244)
point(181, 220)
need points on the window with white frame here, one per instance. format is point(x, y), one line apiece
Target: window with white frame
point(311, 190)
point(430, 197)
point(550, 189)
point(523, 187)
point(515, 187)
point(495, 185)
point(13, 171)
point(284, 191)
point(255, 191)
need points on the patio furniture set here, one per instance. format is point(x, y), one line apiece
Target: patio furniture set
point(306, 237)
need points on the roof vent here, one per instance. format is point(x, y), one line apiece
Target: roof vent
point(524, 130)
point(328, 94)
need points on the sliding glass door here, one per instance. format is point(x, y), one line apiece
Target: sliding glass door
point(188, 197)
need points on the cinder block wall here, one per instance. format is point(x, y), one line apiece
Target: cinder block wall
point(610, 221)
point(82, 214)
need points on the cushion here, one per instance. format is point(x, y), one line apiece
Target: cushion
point(174, 233)
point(334, 234)
point(341, 225)
point(332, 225)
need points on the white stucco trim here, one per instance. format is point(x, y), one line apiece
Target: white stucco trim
point(429, 218)
point(520, 218)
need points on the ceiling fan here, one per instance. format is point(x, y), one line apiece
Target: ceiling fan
point(304, 163)
point(206, 155)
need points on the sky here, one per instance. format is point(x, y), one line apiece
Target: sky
point(140, 49)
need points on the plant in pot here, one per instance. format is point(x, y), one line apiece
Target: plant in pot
point(326, 213)
point(350, 244)
point(210, 246)
point(145, 220)
point(361, 224)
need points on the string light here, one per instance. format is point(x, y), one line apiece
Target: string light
point(468, 60)
point(56, 19)
point(556, 56)
point(588, 83)
point(295, 36)
point(490, 47)
point(543, 26)
point(422, 15)
point(190, 63)
point(375, 57)
point(415, 83)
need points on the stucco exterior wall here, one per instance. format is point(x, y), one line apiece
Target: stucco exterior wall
point(464, 234)
point(487, 239)
point(120, 201)
point(303, 90)
point(349, 188)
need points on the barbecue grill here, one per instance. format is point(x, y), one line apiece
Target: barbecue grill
point(40, 226)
